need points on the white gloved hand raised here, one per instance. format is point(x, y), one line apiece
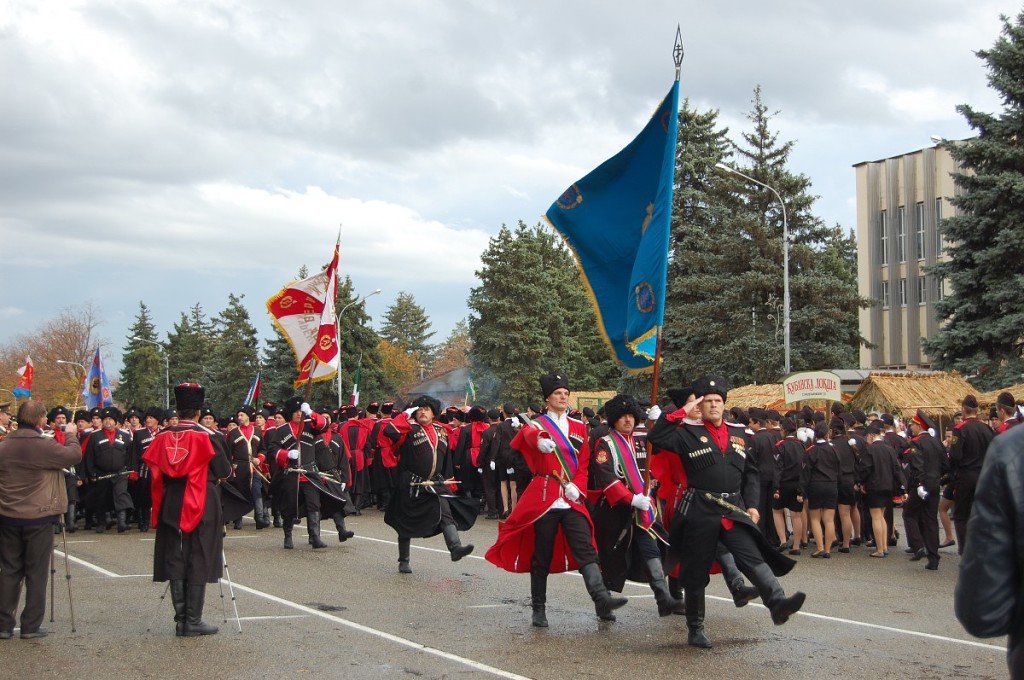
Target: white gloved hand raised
point(654, 412)
point(516, 423)
point(922, 492)
point(293, 454)
point(641, 502)
point(412, 409)
point(493, 465)
point(305, 408)
point(545, 445)
point(572, 492)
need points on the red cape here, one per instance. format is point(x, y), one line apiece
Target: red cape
point(180, 453)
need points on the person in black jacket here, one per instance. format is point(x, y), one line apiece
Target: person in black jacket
point(881, 477)
point(763, 445)
point(971, 438)
point(925, 463)
point(788, 494)
point(820, 479)
point(989, 594)
point(846, 499)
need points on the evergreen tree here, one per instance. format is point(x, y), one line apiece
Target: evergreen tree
point(406, 324)
point(531, 316)
point(234, 358)
point(454, 351)
point(189, 345)
point(984, 308)
point(142, 376)
point(727, 249)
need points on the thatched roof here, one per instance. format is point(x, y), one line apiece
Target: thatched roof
point(750, 396)
point(989, 398)
point(937, 394)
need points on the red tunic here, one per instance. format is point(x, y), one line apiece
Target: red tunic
point(513, 550)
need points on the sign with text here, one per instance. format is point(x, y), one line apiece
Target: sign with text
point(812, 385)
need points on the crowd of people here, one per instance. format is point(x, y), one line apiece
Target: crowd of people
point(741, 493)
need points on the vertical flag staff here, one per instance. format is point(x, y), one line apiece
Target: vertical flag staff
point(677, 57)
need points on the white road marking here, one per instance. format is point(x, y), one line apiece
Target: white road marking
point(487, 606)
point(476, 665)
point(70, 542)
point(269, 618)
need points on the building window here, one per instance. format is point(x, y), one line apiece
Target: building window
point(903, 292)
point(940, 289)
point(922, 290)
point(883, 239)
point(901, 235)
point(919, 230)
point(884, 294)
point(939, 240)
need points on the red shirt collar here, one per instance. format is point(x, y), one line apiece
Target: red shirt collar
point(720, 434)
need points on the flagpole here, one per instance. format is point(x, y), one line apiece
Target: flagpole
point(677, 58)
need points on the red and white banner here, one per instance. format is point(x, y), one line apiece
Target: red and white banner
point(304, 313)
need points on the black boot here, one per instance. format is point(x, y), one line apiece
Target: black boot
point(277, 519)
point(144, 519)
point(287, 526)
point(238, 524)
point(403, 555)
point(178, 600)
point(667, 604)
point(69, 518)
point(313, 529)
point(674, 588)
point(538, 598)
point(742, 594)
point(343, 533)
point(604, 602)
point(455, 547)
point(195, 598)
point(122, 521)
point(99, 523)
point(695, 619)
point(773, 596)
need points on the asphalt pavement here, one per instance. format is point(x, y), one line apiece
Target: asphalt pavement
point(346, 612)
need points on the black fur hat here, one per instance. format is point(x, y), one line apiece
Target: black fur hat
point(290, 406)
point(551, 382)
point(477, 414)
point(620, 405)
point(433, 404)
point(189, 396)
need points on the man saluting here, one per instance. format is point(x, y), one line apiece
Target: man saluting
point(723, 483)
point(186, 466)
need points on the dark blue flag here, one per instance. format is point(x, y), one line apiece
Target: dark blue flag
point(616, 221)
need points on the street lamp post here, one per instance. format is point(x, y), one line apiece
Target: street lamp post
point(785, 256)
point(167, 369)
point(337, 338)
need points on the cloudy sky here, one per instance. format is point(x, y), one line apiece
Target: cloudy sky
point(174, 152)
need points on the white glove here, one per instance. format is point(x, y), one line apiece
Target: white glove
point(852, 442)
point(516, 423)
point(572, 492)
point(412, 409)
point(922, 492)
point(343, 485)
point(293, 454)
point(510, 471)
point(545, 445)
point(654, 412)
point(641, 502)
point(306, 409)
point(493, 466)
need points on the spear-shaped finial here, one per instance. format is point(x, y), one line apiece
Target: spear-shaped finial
point(677, 51)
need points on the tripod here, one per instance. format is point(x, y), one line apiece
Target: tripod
point(67, 575)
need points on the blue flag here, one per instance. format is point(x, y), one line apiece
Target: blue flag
point(616, 221)
point(96, 390)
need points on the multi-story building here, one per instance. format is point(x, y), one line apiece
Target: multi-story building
point(900, 202)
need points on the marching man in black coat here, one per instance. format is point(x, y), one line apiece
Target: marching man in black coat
point(186, 462)
point(422, 505)
point(723, 484)
point(106, 460)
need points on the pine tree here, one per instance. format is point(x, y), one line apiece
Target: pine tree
point(189, 345)
point(454, 352)
point(984, 309)
point(727, 249)
point(531, 316)
point(406, 324)
point(142, 376)
point(234, 358)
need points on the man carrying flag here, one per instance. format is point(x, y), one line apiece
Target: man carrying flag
point(625, 520)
